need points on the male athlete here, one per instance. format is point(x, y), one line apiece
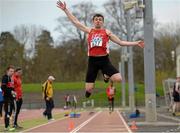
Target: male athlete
point(110, 91)
point(98, 38)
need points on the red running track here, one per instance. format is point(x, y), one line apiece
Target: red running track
point(100, 121)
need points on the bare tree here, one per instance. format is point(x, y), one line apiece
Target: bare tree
point(83, 12)
point(26, 35)
point(116, 20)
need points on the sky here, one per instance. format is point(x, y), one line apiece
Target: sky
point(45, 12)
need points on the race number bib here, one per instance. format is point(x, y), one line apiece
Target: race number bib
point(96, 41)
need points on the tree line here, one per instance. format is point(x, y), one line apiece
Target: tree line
point(33, 48)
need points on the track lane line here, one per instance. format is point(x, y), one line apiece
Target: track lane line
point(129, 130)
point(46, 123)
point(85, 123)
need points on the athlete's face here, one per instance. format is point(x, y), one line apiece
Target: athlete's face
point(10, 72)
point(98, 22)
point(19, 73)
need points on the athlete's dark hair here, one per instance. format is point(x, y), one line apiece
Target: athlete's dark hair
point(18, 69)
point(10, 67)
point(98, 15)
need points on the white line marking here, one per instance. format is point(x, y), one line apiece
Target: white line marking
point(44, 124)
point(129, 130)
point(47, 123)
point(85, 123)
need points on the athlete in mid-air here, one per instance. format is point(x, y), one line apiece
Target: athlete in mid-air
point(98, 38)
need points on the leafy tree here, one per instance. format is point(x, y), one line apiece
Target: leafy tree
point(12, 52)
point(42, 63)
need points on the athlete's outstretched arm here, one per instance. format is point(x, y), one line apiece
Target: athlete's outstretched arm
point(116, 40)
point(72, 18)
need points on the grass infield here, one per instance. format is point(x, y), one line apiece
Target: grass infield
point(27, 124)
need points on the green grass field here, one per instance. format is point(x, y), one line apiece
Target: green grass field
point(61, 86)
point(99, 97)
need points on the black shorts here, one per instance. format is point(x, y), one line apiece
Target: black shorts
point(177, 98)
point(99, 63)
point(110, 99)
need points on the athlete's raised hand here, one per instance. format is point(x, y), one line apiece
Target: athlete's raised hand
point(140, 44)
point(72, 18)
point(61, 5)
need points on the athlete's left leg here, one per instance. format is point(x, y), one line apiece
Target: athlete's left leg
point(109, 71)
point(116, 77)
point(106, 78)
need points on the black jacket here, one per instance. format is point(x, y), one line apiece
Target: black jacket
point(7, 86)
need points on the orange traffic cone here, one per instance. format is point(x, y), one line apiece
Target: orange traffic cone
point(133, 126)
point(71, 125)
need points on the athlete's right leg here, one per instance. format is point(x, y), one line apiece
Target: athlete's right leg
point(113, 104)
point(90, 77)
point(6, 110)
point(109, 105)
point(18, 108)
